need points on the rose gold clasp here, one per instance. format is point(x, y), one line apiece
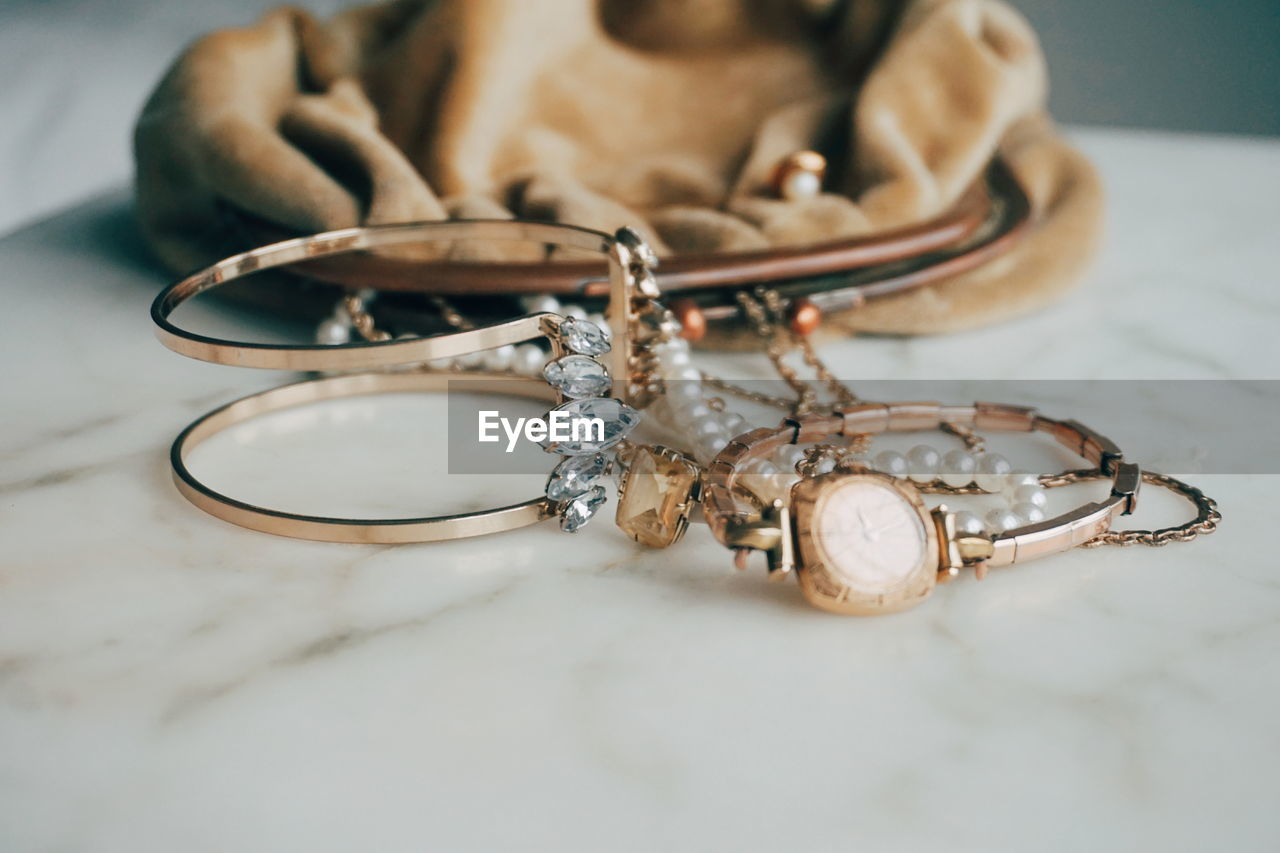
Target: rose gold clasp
point(770, 533)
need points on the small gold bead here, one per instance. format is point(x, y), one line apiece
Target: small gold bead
point(693, 323)
point(804, 317)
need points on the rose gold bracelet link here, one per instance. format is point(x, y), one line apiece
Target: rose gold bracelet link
point(863, 418)
point(1128, 479)
point(1050, 536)
point(958, 415)
point(733, 453)
point(808, 428)
point(1001, 416)
point(718, 505)
point(1065, 433)
point(756, 437)
point(1091, 525)
point(720, 473)
point(1101, 451)
point(914, 415)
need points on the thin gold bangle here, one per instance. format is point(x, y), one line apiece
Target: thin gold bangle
point(623, 251)
point(372, 531)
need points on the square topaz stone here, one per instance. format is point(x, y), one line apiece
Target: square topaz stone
point(656, 496)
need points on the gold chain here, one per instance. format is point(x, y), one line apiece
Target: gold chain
point(767, 329)
point(1205, 522)
point(972, 441)
point(363, 320)
point(450, 314)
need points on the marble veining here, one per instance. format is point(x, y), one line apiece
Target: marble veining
point(169, 682)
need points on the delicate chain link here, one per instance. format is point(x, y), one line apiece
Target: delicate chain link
point(777, 312)
point(767, 328)
point(450, 314)
point(972, 441)
point(363, 320)
point(1205, 522)
point(716, 382)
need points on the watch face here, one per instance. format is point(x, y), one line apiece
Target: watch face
point(866, 542)
point(870, 535)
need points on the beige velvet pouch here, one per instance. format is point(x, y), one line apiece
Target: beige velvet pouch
point(667, 115)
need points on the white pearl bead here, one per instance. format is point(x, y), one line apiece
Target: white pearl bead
point(1027, 513)
point(540, 304)
point(708, 426)
point(470, 361)
point(787, 456)
point(575, 311)
point(957, 468)
point(824, 465)
point(992, 468)
point(891, 462)
point(967, 522)
point(686, 374)
point(332, 332)
point(800, 184)
point(1001, 519)
point(683, 392)
point(734, 422)
point(712, 444)
point(529, 359)
point(762, 468)
point(498, 358)
point(1016, 479)
point(694, 411)
point(922, 463)
point(671, 361)
point(1031, 495)
point(440, 363)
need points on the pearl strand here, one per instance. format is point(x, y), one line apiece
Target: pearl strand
point(990, 472)
point(924, 465)
point(686, 406)
point(527, 359)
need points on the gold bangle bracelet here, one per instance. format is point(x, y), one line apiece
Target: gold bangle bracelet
point(372, 531)
point(578, 376)
point(628, 257)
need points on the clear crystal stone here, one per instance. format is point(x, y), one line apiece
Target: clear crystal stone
point(584, 336)
point(647, 284)
point(578, 376)
point(581, 509)
point(576, 475)
point(631, 238)
point(616, 420)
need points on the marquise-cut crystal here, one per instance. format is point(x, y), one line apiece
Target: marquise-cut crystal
point(581, 509)
point(576, 475)
point(584, 336)
point(653, 508)
point(591, 425)
point(631, 238)
point(578, 376)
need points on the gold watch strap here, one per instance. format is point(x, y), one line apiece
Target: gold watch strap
point(1060, 533)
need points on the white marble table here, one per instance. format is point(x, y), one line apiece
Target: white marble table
point(169, 682)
